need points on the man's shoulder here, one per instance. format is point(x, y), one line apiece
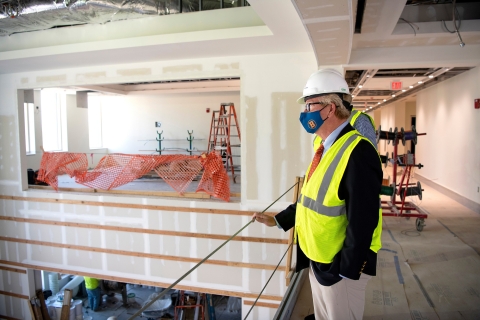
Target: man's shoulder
point(365, 151)
point(345, 130)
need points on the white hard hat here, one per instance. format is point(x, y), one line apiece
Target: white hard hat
point(324, 81)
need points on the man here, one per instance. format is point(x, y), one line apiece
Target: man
point(360, 121)
point(337, 218)
point(93, 291)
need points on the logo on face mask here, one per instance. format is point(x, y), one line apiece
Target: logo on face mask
point(311, 121)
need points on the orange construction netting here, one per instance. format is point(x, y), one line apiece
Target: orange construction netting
point(115, 170)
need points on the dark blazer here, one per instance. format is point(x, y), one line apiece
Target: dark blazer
point(360, 187)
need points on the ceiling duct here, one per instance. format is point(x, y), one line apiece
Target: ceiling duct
point(31, 15)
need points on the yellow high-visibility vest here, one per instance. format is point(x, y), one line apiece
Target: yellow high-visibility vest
point(91, 283)
point(353, 117)
point(321, 220)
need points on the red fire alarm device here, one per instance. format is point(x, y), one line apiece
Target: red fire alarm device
point(208, 110)
point(477, 103)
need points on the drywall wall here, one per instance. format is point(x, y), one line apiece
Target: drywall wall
point(128, 122)
point(410, 111)
point(393, 116)
point(451, 149)
point(275, 149)
point(33, 160)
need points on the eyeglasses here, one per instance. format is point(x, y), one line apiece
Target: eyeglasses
point(307, 106)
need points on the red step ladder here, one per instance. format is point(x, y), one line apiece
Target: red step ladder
point(225, 135)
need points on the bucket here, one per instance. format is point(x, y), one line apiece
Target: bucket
point(51, 312)
point(72, 313)
point(58, 312)
point(131, 298)
point(78, 307)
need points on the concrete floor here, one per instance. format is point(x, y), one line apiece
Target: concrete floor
point(433, 274)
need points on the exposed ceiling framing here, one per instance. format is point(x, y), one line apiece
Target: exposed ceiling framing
point(372, 88)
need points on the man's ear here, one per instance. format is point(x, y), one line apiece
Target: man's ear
point(333, 107)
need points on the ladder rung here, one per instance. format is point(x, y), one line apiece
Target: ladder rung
point(226, 116)
point(225, 126)
point(223, 135)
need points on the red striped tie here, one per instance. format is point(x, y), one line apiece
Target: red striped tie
point(316, 160)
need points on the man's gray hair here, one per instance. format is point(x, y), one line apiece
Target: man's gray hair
point(341, 111)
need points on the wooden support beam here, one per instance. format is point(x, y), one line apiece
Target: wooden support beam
point(131, 206)
point(261, 304)
point(30, 307)
point(170, 194)
point(13, 269)
point(43, 306)
point(37, 310)
point(147, 231)
point(12, 294)
point(67, 296)
point(143, 282)
point(140, 254)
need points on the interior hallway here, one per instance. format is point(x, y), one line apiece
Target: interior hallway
point(433, 274)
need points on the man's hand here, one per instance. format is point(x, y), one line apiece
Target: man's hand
point(265, 219)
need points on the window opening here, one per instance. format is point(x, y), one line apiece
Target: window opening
point(54, 120)
point(95, 123)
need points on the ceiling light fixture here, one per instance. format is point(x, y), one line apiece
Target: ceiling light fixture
point(353, 96)
point(368, 76)
point(430, 76)
point(384, 100)
point(378, 102)
point(411, 87)
point(404, 90)
point(447, 69)
point(393, 96)
point(360, 86)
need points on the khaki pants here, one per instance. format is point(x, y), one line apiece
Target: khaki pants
point(345, 300)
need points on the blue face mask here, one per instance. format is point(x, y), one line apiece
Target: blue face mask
point(311, 121)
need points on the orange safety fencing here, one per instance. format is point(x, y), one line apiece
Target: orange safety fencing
point(117, 169)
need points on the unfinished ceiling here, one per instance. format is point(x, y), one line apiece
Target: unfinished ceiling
point(373, 88)
point(229, 84)
point(336, 28)
point(34, 15)
point(241, 31)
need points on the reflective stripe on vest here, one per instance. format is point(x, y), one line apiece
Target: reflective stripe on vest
point(317, 205)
